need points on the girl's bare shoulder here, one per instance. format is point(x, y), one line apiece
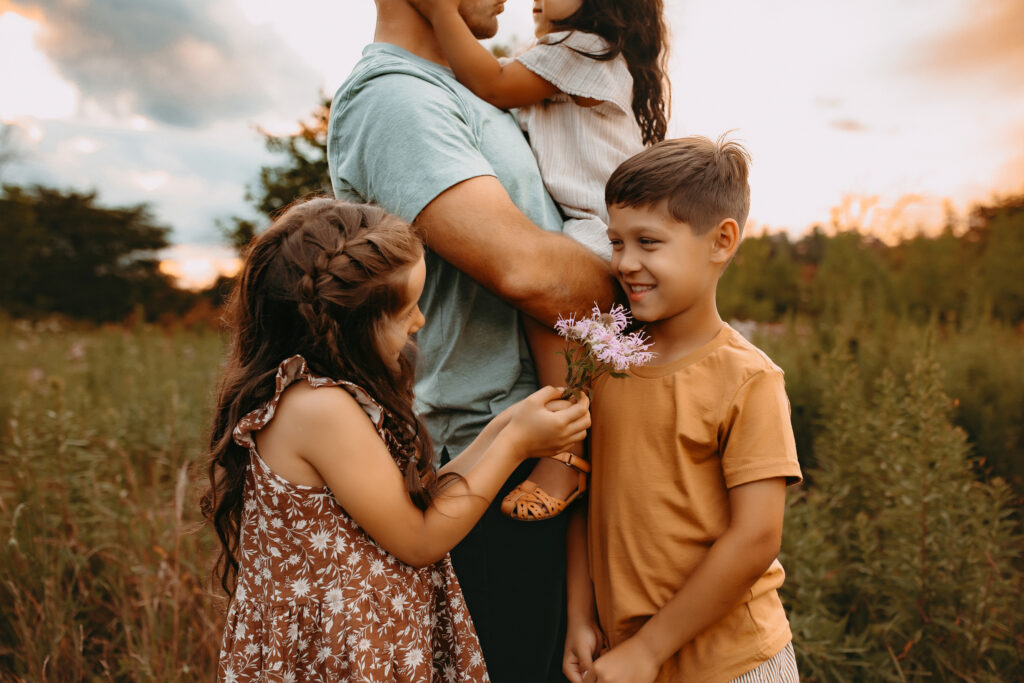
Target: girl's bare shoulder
point(306, 408)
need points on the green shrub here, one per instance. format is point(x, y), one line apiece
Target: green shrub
point(978, 361)
point(900, 562)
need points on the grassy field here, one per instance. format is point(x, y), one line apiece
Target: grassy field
point(104, 569)
point(104, 566)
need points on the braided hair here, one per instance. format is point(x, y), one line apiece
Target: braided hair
point(320, 282)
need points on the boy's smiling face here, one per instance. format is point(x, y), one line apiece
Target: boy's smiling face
point(664, 267)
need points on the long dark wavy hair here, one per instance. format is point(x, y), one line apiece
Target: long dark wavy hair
point(635, 29)
point(320, 282)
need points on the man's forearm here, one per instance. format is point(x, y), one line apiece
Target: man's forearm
point(475, 226)
point(571, 279)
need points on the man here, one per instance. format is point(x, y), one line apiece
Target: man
point(407, 136)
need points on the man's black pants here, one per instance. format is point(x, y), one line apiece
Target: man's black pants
point(512, 574)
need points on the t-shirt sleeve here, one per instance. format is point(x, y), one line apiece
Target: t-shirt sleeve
point(758, 438)
point(400, 142)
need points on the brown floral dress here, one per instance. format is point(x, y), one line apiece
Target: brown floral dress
point(318, 599)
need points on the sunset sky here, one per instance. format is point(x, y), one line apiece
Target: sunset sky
point(887, 108)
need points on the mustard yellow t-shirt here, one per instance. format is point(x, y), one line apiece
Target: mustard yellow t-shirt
point(666, 444)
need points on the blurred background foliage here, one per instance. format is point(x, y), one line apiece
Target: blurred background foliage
point(903, 363)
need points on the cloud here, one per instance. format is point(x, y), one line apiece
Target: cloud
point(185, 63)
point(191, 178)
point(848, 125)
point(990, 41)
point(828, 102)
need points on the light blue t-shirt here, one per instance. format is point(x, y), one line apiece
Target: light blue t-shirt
point(402, 131)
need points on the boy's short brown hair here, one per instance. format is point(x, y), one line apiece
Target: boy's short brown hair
point(704, 182)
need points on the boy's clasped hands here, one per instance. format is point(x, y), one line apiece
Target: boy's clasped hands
point(628, 662)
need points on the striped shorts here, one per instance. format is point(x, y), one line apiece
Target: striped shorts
point(779, 669)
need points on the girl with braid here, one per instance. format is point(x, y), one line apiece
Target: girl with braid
point(334, 526)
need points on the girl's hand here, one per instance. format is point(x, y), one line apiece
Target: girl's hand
point(582, 643)
point(544, 425)
point(628, 662)
point(428, 8)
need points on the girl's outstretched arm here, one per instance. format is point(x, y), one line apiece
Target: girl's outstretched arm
point(331, 432)
point(511, 85)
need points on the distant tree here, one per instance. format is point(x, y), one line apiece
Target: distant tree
point(932, 275)
point(811, 247)
point(763, 283)
point(302, 172)
point(1000, 229)
point(854, 279)
point(62, 253)
point(8, 148)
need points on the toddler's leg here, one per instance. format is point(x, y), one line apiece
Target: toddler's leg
point(555, 479)
point(590, 232)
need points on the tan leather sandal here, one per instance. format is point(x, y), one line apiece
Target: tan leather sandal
point(528, 502)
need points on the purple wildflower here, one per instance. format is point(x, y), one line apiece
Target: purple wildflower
point(597, 345)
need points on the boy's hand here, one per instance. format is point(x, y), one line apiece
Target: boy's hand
point(628, 662)
point(582, 643)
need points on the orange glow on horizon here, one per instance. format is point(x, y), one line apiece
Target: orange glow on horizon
point(33, 14)
point(196, 267)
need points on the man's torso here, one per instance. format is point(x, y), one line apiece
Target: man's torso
point(402, 131)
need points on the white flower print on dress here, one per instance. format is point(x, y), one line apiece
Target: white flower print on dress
point(335, 601)
point(412, 659)
point(398, 603)
point(300, 587)
point(319, 540)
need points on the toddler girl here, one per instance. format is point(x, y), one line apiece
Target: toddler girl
point(590, 94)
point(335, 528)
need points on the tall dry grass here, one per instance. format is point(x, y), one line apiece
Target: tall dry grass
point(104, 575)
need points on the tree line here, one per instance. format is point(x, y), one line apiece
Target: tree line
point(950, 276)
point(65, 253)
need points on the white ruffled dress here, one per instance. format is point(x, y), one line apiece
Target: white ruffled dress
point(577, 147)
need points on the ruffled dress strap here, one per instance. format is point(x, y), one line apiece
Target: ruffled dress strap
point(561, 59)
point(288, 372)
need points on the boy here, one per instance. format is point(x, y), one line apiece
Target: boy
point(691, 456)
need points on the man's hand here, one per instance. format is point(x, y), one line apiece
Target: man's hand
point(582, 642)
point(628, 662)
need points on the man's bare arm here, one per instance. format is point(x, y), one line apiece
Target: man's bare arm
point(475, 226)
